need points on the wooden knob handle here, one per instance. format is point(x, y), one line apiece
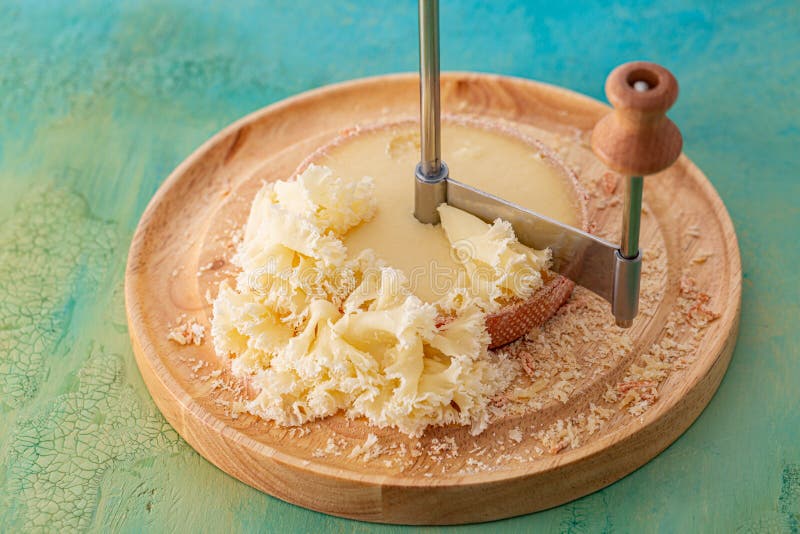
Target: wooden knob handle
point(637, 138)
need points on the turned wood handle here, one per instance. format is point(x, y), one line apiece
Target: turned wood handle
point(637, 138)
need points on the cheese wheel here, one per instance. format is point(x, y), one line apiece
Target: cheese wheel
point(485, 154)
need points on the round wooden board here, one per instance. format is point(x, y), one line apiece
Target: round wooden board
point(690, 313)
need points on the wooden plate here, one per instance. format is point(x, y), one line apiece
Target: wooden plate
point(600, 401)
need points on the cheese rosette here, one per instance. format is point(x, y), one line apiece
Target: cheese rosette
point(498, 269)
point(316, 332)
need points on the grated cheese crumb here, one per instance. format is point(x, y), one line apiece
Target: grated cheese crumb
point(367, 450)
point(187, 332)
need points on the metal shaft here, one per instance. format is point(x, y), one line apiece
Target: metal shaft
point(631, 217)
point(627, 270)
point(429, 87)
point(430, 188)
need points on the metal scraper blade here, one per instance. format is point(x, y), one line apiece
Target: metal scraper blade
point(590, 261)
point(581, 257)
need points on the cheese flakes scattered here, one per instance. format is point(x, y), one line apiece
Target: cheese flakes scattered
point(187, 332)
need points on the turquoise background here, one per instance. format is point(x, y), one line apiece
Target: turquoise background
point(99, 101)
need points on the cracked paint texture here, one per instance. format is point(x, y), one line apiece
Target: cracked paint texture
point(49, 248)
point(99, 101)
point(56, 462)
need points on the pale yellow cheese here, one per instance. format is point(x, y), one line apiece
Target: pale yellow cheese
point(490, 159)
point(317, 330)
point(497, 268)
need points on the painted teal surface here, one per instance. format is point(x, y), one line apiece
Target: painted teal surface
point(99, 101)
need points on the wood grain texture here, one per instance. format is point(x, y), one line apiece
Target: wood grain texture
point(181, 230)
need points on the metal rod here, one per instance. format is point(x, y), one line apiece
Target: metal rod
point(430, 130)
point(631, 217)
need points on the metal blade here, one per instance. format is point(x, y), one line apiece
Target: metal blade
point(582, 257)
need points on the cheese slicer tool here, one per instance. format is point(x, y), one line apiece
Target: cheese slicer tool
point(635, 139)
